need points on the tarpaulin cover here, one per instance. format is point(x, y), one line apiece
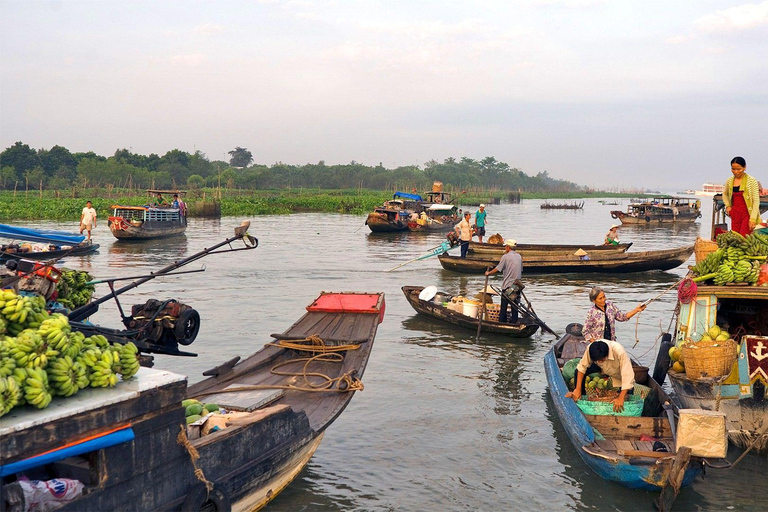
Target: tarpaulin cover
point(415, 197)
point(103, 441)
point(40, 236)
point(346, 303)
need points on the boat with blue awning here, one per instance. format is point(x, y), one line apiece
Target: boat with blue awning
point(37, 244)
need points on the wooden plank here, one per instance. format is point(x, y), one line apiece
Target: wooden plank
point(629, 427)
point(247, 401)
point(606, 444)
point(623, 445)
point(645, 453)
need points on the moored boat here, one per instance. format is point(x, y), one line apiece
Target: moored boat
point(47, 244)
point(545, 249)
point(149, 221)
point(660, 210)
point(599, 261)
point(435, 217)
point(131, 449)
point(435, 309)
point(394, 214)
point(616, 447)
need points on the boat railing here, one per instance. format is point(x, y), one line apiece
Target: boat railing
point(163, 214)
point(130, 213)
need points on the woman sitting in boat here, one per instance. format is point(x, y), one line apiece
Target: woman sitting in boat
point(612, 238)
point(742, 198)
point(601, 319)
point(614, 362)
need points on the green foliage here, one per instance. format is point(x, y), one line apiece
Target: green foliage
point(241, 157)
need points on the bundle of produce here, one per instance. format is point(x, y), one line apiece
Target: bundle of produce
point(737, 260)
point(194, 410)
point(595, 383)
point(73, 290)
point(19, 312)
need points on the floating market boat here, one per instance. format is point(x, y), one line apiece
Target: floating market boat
point(454, 313)
point(394, 214)
point(149, 221)
point(46, 244)
point(436, 217)
point(131, 449)
point(660, 210)
point(599, 261)
point(545, 249)
point(611, 445)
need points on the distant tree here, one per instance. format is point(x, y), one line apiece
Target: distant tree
point(21, 157)
point(55, 158)
point(241, 157)
point(195, 181)
point(8, 177)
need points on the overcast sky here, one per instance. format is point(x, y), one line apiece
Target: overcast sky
point(660, 94)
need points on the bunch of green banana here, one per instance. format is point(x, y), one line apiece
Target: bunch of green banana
point(734, 254)
point(724, 274)
point(101, 374)
point(67, 376)
point(17, 309)
point(7, 361)
point(732, 239)
point(14, 329)
point(89, 356)
point(741, 270)
point(756, 246)
point(709, 264)
point(129, 362)
point(55, 330)
point(9, 394)
point(31, 351)
point(37, 390)
point(96, 341)
point(73, 290)
point(3, 326)
point(75, 345)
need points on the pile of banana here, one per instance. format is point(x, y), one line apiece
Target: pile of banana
point(737, 259)
point(73, 290)
point(41, 357)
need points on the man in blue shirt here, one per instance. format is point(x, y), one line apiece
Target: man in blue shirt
point(480, 223)
point(511, 267)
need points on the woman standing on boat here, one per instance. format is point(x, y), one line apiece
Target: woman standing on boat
point(742, 198)
point(601, 319)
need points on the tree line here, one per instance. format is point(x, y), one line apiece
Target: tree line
point(25, 168)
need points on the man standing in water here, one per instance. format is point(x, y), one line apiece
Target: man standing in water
point(511, 267)
point(480, 223)
point(87, 219)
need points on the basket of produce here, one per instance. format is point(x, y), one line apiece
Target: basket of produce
point(602, 405)
point(492, 312)
point(709, 358)
point(702, 248)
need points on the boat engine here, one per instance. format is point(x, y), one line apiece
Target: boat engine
point(164, 323)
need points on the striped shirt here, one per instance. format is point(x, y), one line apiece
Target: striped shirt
point(751, 195)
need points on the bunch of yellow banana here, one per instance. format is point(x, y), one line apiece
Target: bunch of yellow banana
point(96, 341)
point(101, 374)
point(9, 394)
point(20, 376)
point(7, 361)
point(89, 356)
point(129, 362)
point(3, 326)
point(37, 391)
point(67, 376)
point(31, 351)
point(17, 309)
point(7, 296)
point(75, 345)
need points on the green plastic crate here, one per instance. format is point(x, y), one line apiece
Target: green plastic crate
point(633, 406)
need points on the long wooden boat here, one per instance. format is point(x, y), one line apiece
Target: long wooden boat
point(437, 310)
point(394, 214)
point(660, 210)
point(152, 463)
point(545, 249)
point(56, 244)
point(144, 222)
point(608, 262)
point(610, 445)
point(436, 217)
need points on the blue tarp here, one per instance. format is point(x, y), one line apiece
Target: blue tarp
point(41, 236)
point(115, 438)
point(414, 197)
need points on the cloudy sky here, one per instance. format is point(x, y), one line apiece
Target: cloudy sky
point(659, 94)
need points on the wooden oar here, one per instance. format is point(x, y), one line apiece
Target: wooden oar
point(482, 309)
point(435, 251)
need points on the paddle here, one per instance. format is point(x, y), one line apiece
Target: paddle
point(522, 309)
point(435, 251)
point(482, 309)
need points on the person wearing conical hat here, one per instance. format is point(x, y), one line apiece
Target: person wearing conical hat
point(612, 238)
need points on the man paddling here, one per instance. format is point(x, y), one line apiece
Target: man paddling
point(511, 267)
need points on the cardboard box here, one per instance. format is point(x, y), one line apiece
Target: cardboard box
point(704, 432)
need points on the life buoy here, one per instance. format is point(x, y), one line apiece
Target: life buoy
point(198, 498)
point(647, 218)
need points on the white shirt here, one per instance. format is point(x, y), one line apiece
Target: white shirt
point(89, 215)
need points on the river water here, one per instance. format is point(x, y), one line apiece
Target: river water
point(444, 423)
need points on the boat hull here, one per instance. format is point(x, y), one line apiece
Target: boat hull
point(651, 477)
point(616, 263)
point(78, 250)
point(432, 227)
point(444, 314)
point(127, 231)
point(380, 224)
point(545, 249)
point(654, 219)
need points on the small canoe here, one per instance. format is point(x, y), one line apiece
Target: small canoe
point(545, 249)
point(610, 445)
point(76, 250)
point(58, 243)
point(437, 310)
point(610, 262)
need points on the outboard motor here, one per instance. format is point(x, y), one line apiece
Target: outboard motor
point(165, 324)
point(662, 359)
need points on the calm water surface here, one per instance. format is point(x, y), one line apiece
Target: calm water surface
point(444, 423)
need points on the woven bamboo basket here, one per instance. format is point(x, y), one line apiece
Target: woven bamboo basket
point(703, 247)
point(709, 359)
point(492, 312)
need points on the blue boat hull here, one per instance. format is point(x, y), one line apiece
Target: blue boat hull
point(650, 477)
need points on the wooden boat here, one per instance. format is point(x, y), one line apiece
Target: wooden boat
point(660, 210)
point(150, 221)
point(545, 249)
point(145, 458)
point(600, 261)
point(437, 310)
point(394, 214)
point(562, 206)
point(53, 244)
point(435, 217)
point(616, 453)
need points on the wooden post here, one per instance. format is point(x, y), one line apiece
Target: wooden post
point(674, 480)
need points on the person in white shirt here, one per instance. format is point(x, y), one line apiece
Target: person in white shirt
point(88, 219)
